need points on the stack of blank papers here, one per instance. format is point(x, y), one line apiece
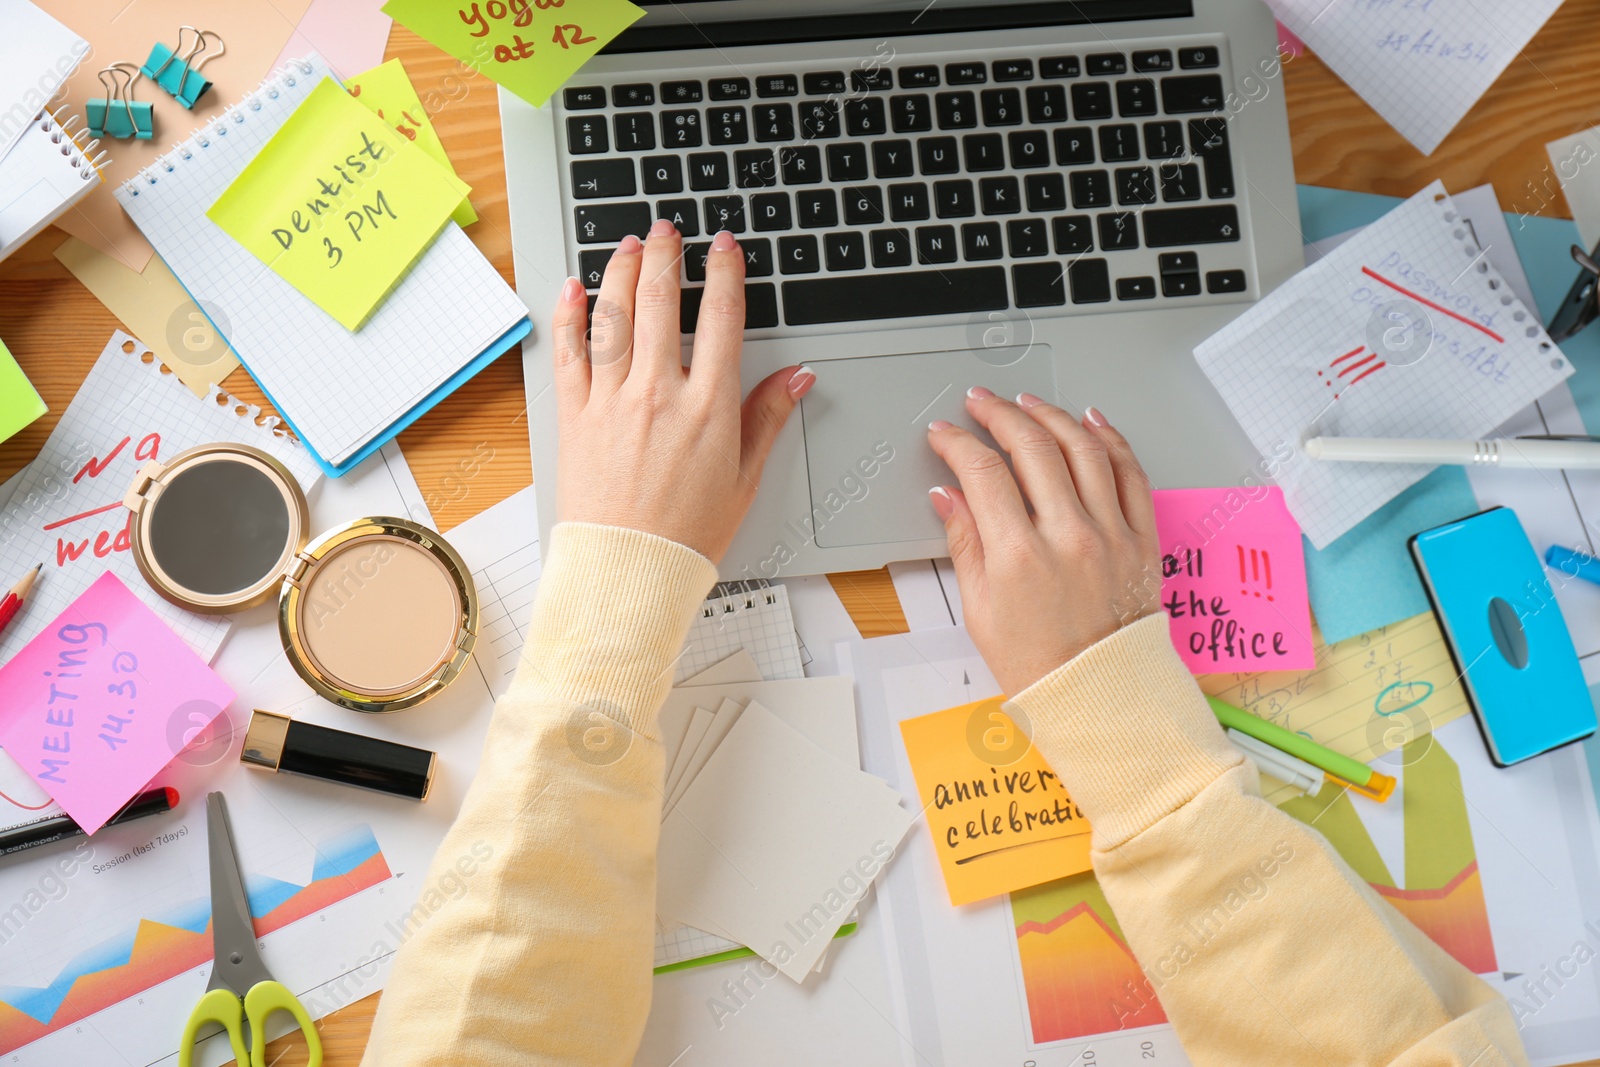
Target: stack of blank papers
point(771, 832)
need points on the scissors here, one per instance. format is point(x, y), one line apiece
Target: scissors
point(241, 991)
point(1582, 305)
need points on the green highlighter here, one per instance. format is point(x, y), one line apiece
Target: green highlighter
point(19, 402)
point(1341, 770)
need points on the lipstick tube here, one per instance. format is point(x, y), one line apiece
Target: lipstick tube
point(281, 744)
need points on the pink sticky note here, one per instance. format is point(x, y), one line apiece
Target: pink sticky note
point(1233, 585)
point(102, 699)
point(1288, 43)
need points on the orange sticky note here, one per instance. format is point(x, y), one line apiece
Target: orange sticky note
point(1000, 818)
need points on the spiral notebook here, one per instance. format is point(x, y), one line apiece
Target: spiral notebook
point(51, 167)
point(344, 393)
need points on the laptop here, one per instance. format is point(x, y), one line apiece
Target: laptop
point(1054, 197)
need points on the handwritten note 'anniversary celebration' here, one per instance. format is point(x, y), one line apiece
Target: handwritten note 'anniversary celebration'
point(101, 700)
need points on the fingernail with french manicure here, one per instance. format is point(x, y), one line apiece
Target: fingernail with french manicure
point(1094, 417)
point(663, 228)
point(940, 424)
point(944, 505)
point(1028, 400)
point(572, 292)
point(801, 381)
point(978, 392)
point(723, 242)
point(628, 245)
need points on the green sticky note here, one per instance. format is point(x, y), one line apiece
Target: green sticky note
point(387, 92)
point(338, 204)
point(529, 46)
point(19, 402)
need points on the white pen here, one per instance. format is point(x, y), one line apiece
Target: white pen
point(1522, 453)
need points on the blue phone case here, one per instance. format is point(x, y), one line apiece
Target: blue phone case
point(1506, 634)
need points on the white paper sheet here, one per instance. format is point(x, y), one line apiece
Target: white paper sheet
point(1406, 330)
point(929, 596)
point(36, 55)
point(1421, 64)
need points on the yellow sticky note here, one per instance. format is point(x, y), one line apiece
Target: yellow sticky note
point(530, 46)
point(19, 402)
point(387, 92)
point(338, 204)
point(1000, 818)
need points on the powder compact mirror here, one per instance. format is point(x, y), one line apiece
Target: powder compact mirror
point(378, 614)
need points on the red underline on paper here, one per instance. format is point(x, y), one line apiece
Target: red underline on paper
point(1369, 272)
point(1358, 363)
point(1347, 355)
point(1363, 374)
point(85, 515)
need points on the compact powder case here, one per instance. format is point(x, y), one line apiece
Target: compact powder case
point(376, 615)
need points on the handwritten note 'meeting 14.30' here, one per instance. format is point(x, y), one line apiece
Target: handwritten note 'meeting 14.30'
point(338, 204)
point(1233, 579)
point(101, 700)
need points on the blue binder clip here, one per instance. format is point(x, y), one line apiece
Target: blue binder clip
point(179, 74)
point(118, 114)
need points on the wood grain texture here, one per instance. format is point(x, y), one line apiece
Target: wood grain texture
point(56, 328)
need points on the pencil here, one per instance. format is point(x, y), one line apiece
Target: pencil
point(1341, 769)
point(19, 592)
point(45, 831)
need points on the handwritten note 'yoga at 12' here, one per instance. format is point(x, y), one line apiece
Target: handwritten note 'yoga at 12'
point(101, 700)
point(1233, 580)
point(999, 817)
point(338, 204)
point(530, 46)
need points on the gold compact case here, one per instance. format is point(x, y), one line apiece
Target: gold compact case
point(378, 614)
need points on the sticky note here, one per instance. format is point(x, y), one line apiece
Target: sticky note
point(530, 46)
point(19, 402)
point(387, 92)
point(1233, 579)
point(998, 816)
point(102, 699)
point(1366, 579)
point(338, 204)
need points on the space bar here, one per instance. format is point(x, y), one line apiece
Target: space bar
point(855, 297)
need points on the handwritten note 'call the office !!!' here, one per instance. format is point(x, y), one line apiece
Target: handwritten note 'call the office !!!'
point(102, 699)
point(338, 204)
point(1233, 580)
point(530, 46)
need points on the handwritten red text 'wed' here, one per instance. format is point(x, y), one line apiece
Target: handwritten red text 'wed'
point(103, 542)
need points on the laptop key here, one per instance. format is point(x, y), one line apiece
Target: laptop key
point(662, 174)
point(965, 73)
point(801, 165)
point(694, 263)
point(680, 92)
point(610, 223)
point(1208, 138)
point(846, 250)
point(937, 155)
point(1153, 61)
point(680, 129)
point(1046, 193)
point(1180, 285)
point(602, 178)
point(774, 122)
point(684, 214)
point(1029, 148)
point(1119, 144)
point(1136, 185)
point(1074, 146)
point(819, 119)
point(641, 95)
point(863, 205)
point(1180, 181)
point(1119, 231)
point(1000, 196)
point(894, 294)
point(778, 85)
point(847, 162)
point(981, 240)
point(818, 208)
point(730, 88)
point(891, 248)
point(865, 117)
point(592, 267)
point(1060, 67)
point(1090, 188)
point(1142, 288)
point(1027, 238)
point(1177, 226)
point(908, 202)
point(892, 159)
point(1191, 93)
point(954, 199)
point(910, 114)
point(1012, 70)
point(760, 307)
point(1090, 281)
point(984, 151)
point(1179, 263)
point(871, 80)
point(1002, 107)
point(1074, 235)
point(1226, 281)
point(825, 82)
point(1039, 285)
point(583, 98)
point(755, 168)
point(1136, 97)
point(1091, 100)
point(727, 125)
point(587, 135)
point(635, 131)
point(1163, 140)
point(725, 213)
point(1047, 104)
point(936, 244)
point(771, 211)
point(708, 170)
point(1107, 63)
point(919, 77)
point(957, 111)
point(1199, 57)
point(757, 257)
point(797, 254)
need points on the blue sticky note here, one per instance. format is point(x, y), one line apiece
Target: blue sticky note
point(1366, 579)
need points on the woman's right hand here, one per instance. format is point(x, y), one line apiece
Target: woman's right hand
point(1038, 587)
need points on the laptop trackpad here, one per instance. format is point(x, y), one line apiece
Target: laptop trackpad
point(866, 429)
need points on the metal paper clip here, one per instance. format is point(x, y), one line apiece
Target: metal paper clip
point(118, 114)
point(1582, 305)
point(172, 68)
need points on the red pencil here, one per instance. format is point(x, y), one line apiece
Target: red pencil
point(19, 592)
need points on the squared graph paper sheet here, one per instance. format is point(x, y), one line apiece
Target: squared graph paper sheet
point(759, 621)
point(1406, 330)
point(503, 544)
point(339, 389)
point(1421, 65)
point(67, 512)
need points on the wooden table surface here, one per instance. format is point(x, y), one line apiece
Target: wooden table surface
point(56, 328)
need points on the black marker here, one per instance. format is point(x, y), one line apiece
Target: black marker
point(46, 831)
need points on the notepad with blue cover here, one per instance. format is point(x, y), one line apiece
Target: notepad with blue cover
point(1506, 633)
point(344, 393)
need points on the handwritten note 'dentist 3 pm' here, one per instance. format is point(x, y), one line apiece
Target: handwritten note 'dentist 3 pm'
point(338, 204)
point(101, 700)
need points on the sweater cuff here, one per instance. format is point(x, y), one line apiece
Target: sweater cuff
point(1128, 730)
point(613, 610)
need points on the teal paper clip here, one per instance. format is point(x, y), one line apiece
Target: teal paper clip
point(178, 71)
point(118, 114)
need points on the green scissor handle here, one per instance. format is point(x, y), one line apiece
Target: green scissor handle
point(221, 1007)
point(265, 998)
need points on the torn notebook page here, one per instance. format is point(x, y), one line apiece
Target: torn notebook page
point(1421, 64)
point(1406, 330)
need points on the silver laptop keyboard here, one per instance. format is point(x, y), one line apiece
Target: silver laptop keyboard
point(1062, 182)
